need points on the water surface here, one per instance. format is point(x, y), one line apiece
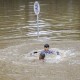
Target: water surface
point(59, 26)
point(58, 20)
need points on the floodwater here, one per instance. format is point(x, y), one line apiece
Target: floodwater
point(59, 26)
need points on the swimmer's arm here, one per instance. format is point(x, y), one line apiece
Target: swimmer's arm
point(56, 52)
point(35, 52)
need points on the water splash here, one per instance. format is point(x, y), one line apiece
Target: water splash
point(50, 58)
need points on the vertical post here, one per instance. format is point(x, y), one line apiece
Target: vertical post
point(37, 11)
point(37, 26)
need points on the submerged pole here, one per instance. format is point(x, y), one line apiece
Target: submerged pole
point(38, 26)
point(37, 11)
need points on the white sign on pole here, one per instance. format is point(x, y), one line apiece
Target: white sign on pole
point(37, 11)
point(36, 8)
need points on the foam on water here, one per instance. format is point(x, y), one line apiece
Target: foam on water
point(50, 58)
point(19, 53)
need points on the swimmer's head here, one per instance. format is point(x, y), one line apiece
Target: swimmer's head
point(46, 47)
point(41, 56)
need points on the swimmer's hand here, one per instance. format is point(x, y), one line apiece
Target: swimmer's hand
point(35, 52)
point(58, 57)
point(58, 53)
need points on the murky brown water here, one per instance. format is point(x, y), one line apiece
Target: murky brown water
point(58, 20)
point(59, 25)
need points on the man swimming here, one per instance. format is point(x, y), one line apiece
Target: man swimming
point(46, 51)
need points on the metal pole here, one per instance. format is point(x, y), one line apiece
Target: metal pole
point(37, 26)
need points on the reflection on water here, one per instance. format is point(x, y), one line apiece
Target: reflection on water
point(58, 20)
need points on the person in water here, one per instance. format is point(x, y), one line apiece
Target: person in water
point(46, 51)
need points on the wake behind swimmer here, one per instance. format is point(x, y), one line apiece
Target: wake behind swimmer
point(45, 54)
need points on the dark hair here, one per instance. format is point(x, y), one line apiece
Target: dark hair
point(46, 45)
point(41, 56)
